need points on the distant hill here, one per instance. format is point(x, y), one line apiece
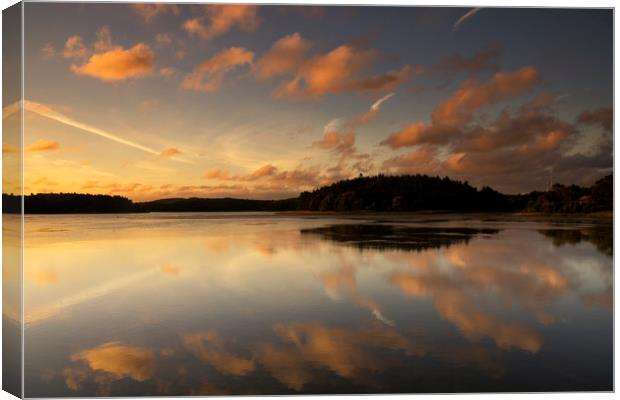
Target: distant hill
point(374, 193)
point(224, 204)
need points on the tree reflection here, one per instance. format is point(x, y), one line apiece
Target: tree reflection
point(386, 237)
point(601, 236)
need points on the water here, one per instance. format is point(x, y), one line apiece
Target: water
point(258, 303)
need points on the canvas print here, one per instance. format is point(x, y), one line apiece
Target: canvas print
point(246, 199)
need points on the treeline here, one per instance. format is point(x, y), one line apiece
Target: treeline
point(375, 193)
point(573, 198)
point(72, 203)
point(66, 203)
point(404, 193)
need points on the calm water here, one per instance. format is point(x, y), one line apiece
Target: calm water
point(205, 304)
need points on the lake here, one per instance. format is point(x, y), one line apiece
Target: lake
point(261, 303)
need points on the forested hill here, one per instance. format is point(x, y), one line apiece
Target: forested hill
point(402, 193)
point(375, 193)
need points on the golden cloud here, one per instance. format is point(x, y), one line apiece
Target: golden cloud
point(285, 56)
point(451, 115)
point(151, 11)
point(43, 145)
point(169, 152)
point(210, 348)
point(118, 64)
point(222, 18)
point(119, 360)
point(208, 76)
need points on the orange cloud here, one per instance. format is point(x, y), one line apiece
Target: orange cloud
point(457, 307)
point(422, 161)
point(451, 116)
point(327, 73)
point(471, 95)
point(151, 11)
point(310, 345)
point(339, 136)
point(210, 348)
point(261, 172)
point(265, 170)
point(602, 116)
point(169, 152)
point(221, 19)
point(285, 56)
point(207, 77)
point(119, 360)
point(43, 145)
point(118, 64)
point(75, 48)
point(217, 174)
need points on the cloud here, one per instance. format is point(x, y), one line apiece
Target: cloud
point(449, 117)
point(208, 76)
point(119, 360)
point(163, 39)
point(311, 77)
point(167, 71)
point(47, 112)
point(222, 18)
point(422, 160)
point(261, 172)
point(151, 11)
point(339, 135)
point(601, 116)
point(104, 40)
point(75, 48)
point(285, 56)
point(210, 348)
point(270, 179)
point(339, 71)
point(464, 18)
point(485, 59)
point(118, 64)
point(106, 61)
point(472, 95)
point(169, 152)
point(43, 145)
point(308, 347)
point(512, 153)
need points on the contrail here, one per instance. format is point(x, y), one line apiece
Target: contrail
point(377, 104)
point(47, 112)
point(465, 17)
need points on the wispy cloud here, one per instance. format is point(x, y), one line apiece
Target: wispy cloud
point(47, 112)
point(464, 18)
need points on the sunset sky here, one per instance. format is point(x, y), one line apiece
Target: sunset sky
point(154, 100)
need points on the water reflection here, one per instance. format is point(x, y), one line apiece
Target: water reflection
point(402, 237)
point(601, 236)
point(267, 304)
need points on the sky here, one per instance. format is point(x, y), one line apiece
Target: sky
point(160, 100)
